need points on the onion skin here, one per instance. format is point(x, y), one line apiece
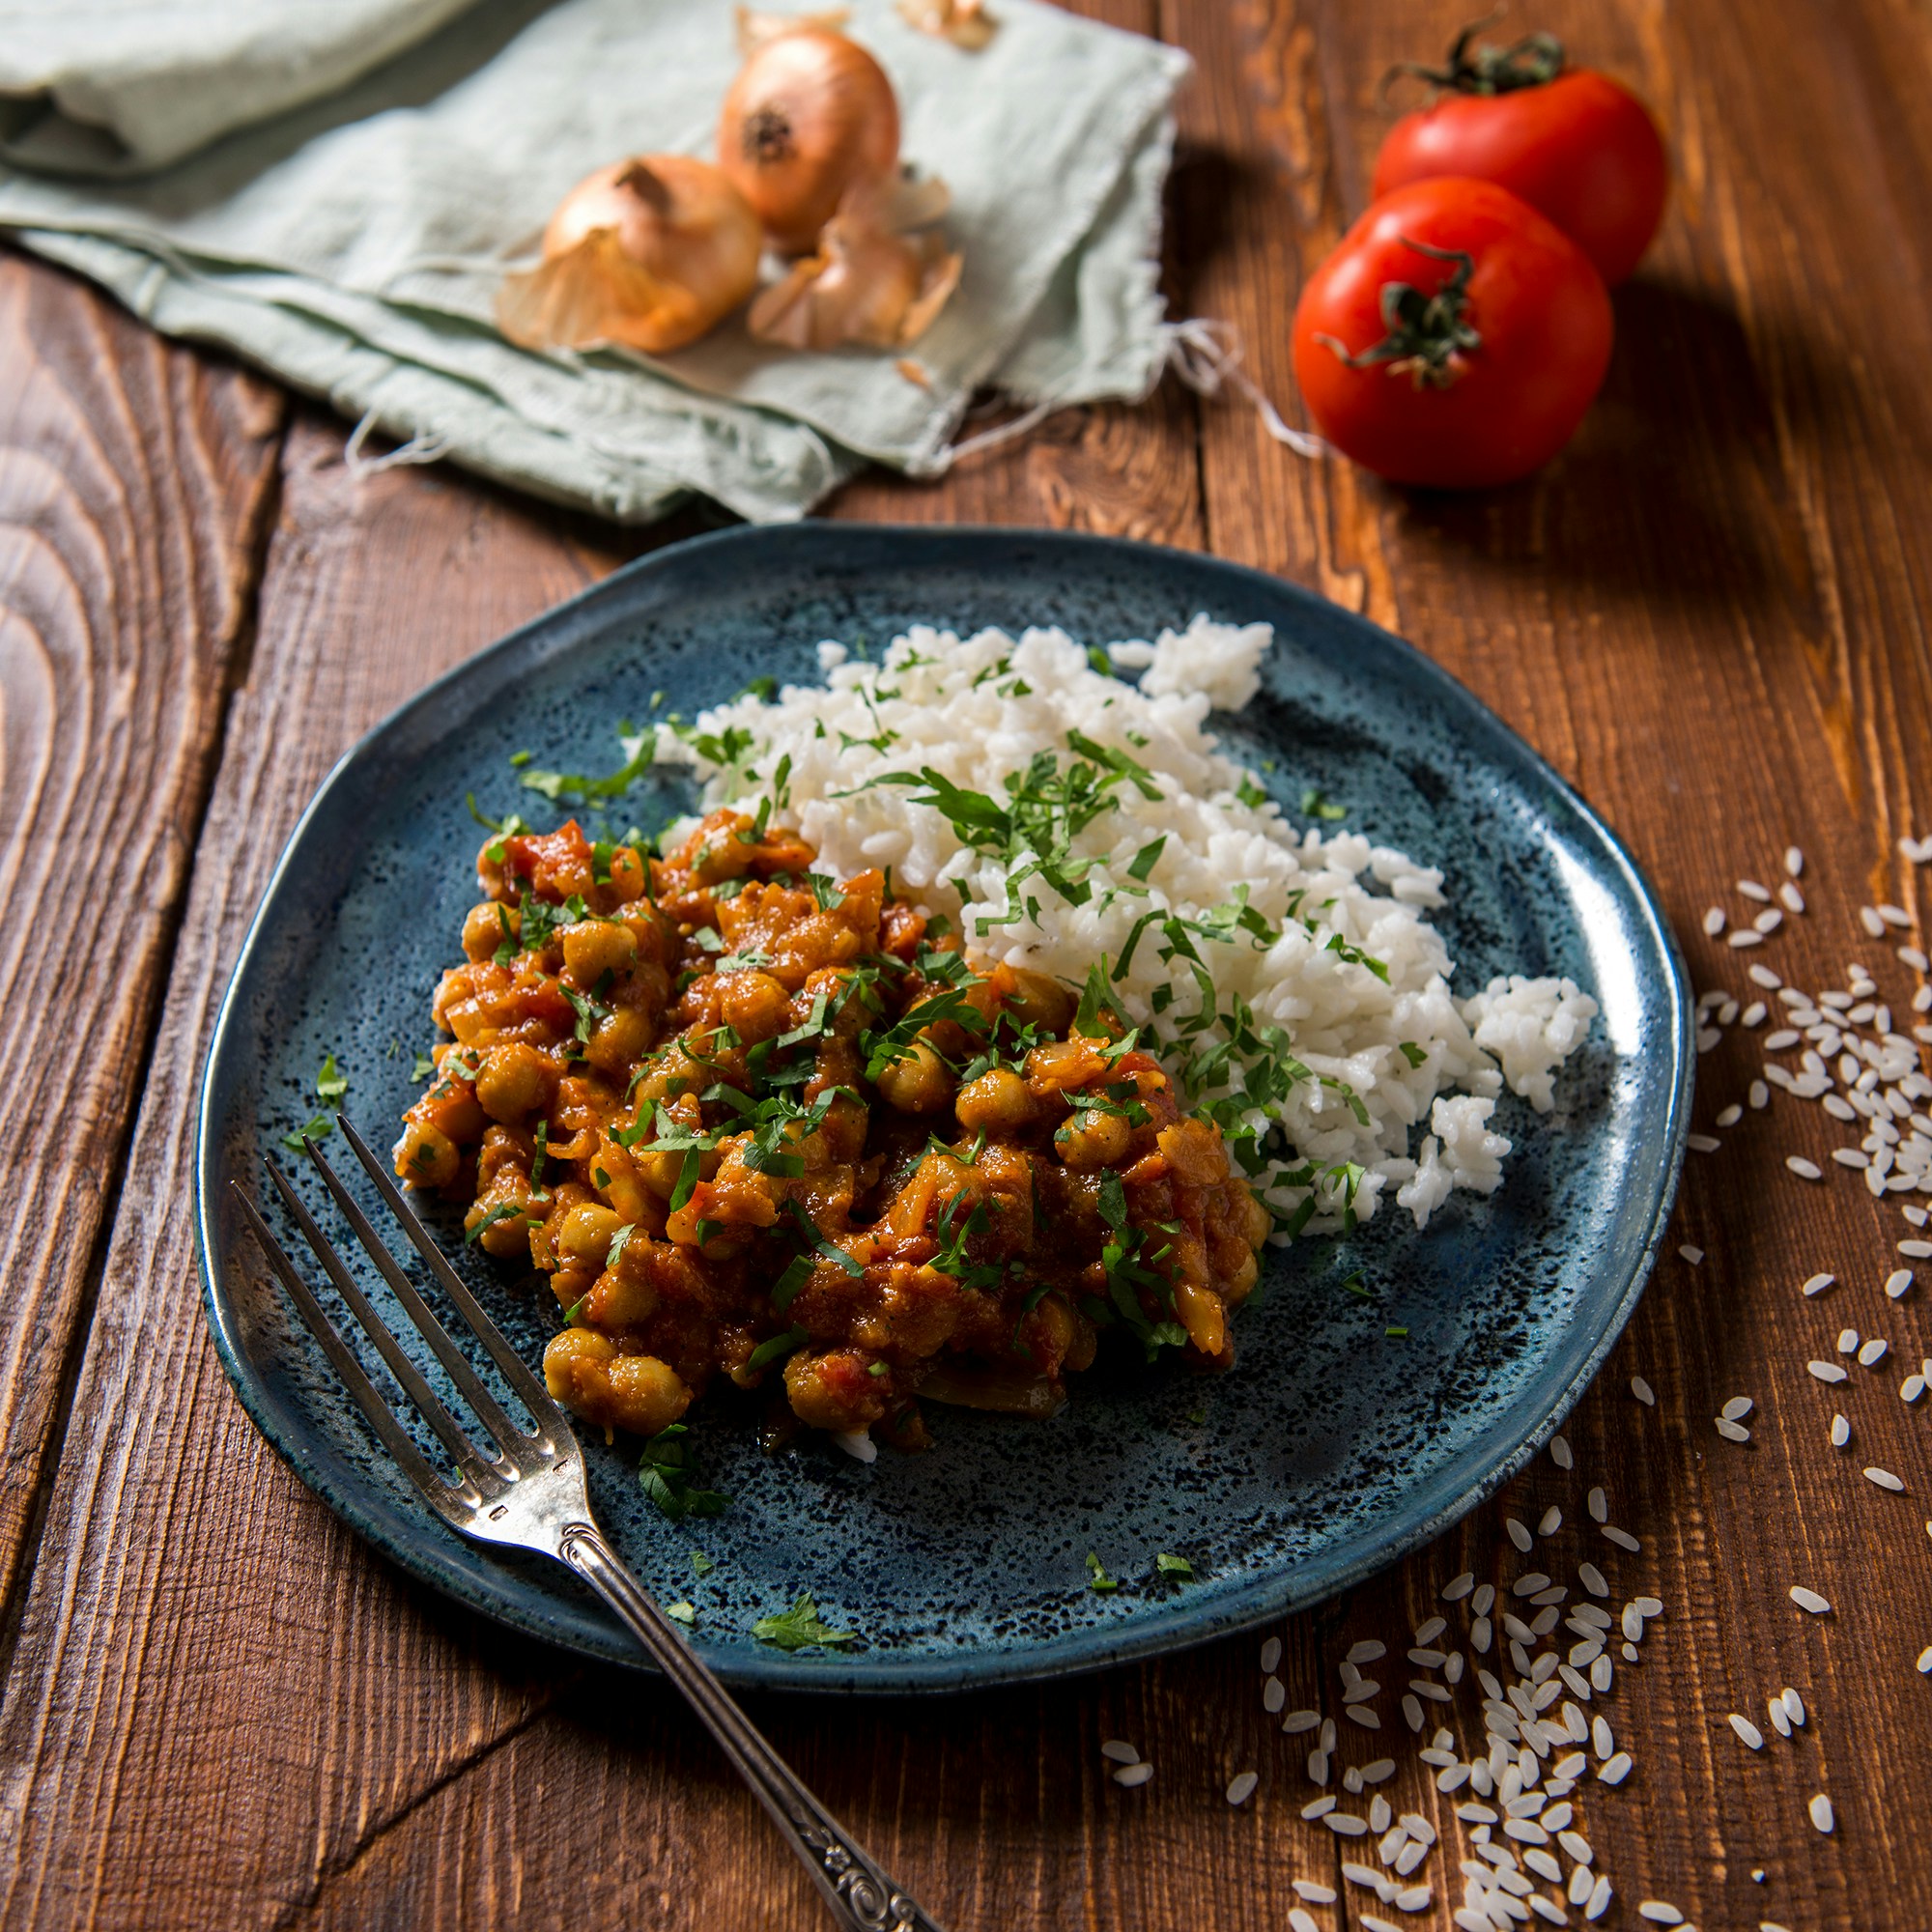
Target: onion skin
point(647, 254)
point(810, 114)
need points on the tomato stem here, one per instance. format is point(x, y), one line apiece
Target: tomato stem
point(1534, 61)
point(1426, 332)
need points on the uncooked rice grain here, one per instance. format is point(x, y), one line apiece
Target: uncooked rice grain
point(1242, 1787)
point(1643, 1392)
point(1808, 1599)
point(1820, 1810)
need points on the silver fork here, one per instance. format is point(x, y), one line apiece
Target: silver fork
point(530, 1492)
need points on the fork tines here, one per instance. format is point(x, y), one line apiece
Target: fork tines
point(514, 1453)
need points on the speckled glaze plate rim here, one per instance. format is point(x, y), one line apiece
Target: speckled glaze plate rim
point(418, 1546)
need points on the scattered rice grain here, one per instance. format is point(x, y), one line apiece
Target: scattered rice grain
point(1242, 1787)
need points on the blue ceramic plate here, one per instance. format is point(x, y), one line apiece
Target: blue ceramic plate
point(1327, 1452)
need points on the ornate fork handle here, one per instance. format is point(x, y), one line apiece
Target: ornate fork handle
point(862, 1897)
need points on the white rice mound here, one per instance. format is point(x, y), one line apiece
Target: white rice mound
point(977, 709)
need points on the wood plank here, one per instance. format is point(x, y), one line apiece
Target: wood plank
point(134, 482)
point(184, 1573)
point(1711, 614)
point(195, 1732)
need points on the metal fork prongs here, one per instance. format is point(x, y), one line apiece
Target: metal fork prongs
point(528, 1489)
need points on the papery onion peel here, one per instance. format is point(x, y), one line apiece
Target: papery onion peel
point(647, 254)
point(870, 281)
point(966, 23)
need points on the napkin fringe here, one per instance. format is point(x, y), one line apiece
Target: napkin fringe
point(1203, 353)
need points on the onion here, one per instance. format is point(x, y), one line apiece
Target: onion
point(647, 254)
point(870, 282)
point(810, 114)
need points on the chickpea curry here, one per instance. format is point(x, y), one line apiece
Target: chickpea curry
point(752, 1122)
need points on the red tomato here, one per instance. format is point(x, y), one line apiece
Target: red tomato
point(1577, 147)
point(1454, 339)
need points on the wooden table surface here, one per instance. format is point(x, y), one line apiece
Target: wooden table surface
point(222, 1711)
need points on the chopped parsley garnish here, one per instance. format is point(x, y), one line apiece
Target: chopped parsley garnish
point(800, 1628)
point(502, 1211)
point(682, 1613)
point(1396, 1334)
point(424, 1068)
point(640, 750)
point(1249, 793)
point(1045, 811)
point(1316, 803)
point(1096, 1577)
point(668, 1477)
point(775, 1345)
point(700, 1564)
point(330, 1085)
point(1177, 1567)
point(1413, 1053)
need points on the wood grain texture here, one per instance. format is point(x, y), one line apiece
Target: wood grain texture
point(1710, 614)
point(188, 1606)
point(133, 481)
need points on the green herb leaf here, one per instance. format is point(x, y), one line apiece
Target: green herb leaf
point(666, 1476)
point(1177, 1567)
point(682, 1613)
point(773, 1347)
point(331, 1083)
point(502, 1211)
point(1147, 859)
point(799, 1628)
point(1315, 804)
point(424, 1068)
point(319, 1129)
point(701, 1565)
point(1413, 1053)
point(1096, 1577)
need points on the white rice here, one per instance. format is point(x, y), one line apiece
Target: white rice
point(977, 710)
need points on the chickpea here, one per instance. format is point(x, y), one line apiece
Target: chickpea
point(1092, 1139)
point(919, 1083)
point(594, 947)
point(425, 1155)
point(623, 1297)
point(574, 1366)
point(647, 1395)
point(1039, 1000)
point(996, 1104)
point(513, 1082)
point(585, 1235)
point(619, 1040)
point(756, 1006)
point(484, 929)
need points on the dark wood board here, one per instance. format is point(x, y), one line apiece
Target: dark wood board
point(221, 1710)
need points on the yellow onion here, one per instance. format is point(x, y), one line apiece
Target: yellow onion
point(870, 281)
point(966, 23)
point(647, 254)
point(810, 114)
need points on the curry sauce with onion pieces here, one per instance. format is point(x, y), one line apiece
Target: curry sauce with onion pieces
point(754, 1121)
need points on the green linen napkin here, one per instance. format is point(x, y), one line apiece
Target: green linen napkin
point(354, 247)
